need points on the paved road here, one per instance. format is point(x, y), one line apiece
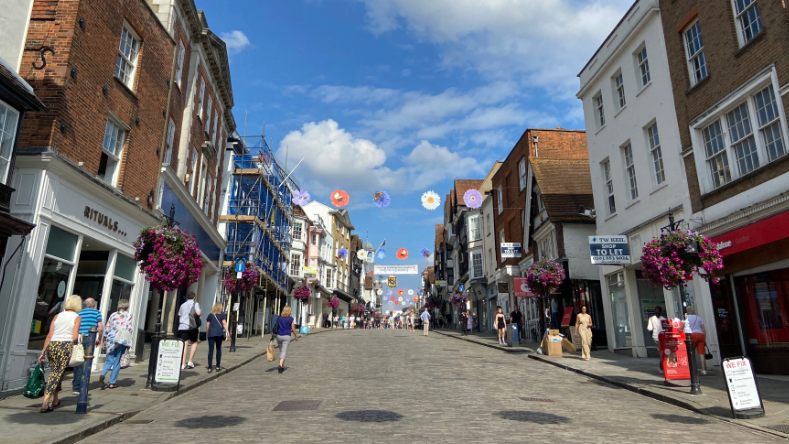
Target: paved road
point(397, 386)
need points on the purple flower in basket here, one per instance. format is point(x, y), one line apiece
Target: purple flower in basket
point(302, 293)
point(300, 197)
point(342, 253)
point(472, 199)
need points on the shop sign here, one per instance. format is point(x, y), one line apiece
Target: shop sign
point(511, 250)
point(754, 235)
point(609, 250)
point(310, 272)
point(391, 281)
point(396, 269)
point(522, 289)
point(102, 219)
point(741, 385)
point(168, 366)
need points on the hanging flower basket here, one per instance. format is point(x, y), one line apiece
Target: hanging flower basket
point(675, 257)
point(249, 278)
point(545, 275)
point(358, 308)
point(459, 298)
point(302, 294)
point(169, 258)
point(334, 302)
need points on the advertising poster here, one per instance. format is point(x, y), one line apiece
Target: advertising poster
point(168, 366)
point(674, 354)
point(741, 384)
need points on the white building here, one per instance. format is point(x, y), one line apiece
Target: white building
point(637, 172)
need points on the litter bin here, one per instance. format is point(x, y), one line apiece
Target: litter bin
point(515, 337)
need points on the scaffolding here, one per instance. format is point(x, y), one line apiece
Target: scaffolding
point(260, 214)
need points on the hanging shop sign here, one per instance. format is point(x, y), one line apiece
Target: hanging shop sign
point(168, 366)
point(609, 250)
point(522, 289)
point(396, 269)
point(744, 397)
point(511, 250)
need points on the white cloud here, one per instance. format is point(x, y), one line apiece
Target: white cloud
point(346, 94)
point(545, 42)
point(236, 41)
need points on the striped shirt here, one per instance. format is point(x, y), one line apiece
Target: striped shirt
point(89, 317)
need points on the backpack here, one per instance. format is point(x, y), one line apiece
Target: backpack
point(194, 320)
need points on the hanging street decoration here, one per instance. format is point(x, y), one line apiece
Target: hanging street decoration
point(416, 299)
point(381, 199)
point(410, 292)
point(388, 292)
point(421, 292)
point(472, 199)
point(400, 292)
point(342, 253)
point(391, 282)
point(424, 252)
point(380, 292)
point(402, 254)
point(362, 254)
point(300, 197)
point(339, 198)
point(430, 200)
point(381, 254)
point(392, 298)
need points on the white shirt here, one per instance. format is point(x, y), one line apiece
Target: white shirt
point(695, 324)
point(183, 314)
point(63, 330)
point(655, 326)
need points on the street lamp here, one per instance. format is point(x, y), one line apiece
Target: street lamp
point(695, 387)
point(169, 222)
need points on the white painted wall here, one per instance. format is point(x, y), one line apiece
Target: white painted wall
point(13, 30)
point(576, 249)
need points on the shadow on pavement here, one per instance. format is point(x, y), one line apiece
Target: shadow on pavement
point(370, 416)
point(210, 422)
point(535, 417)
point(50, 419)
point(679, 419)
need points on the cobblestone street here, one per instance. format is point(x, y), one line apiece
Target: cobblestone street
point(398, 386)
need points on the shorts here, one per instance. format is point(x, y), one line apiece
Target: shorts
point(189, 335)
point(699, 341)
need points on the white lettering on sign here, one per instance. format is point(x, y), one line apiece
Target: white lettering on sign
point(722, 245)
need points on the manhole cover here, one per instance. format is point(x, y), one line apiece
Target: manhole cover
point(536, 399)
point(138, 421)
point(292, 406)
point(783, 428)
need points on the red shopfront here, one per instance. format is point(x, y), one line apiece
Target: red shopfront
point(752, 302)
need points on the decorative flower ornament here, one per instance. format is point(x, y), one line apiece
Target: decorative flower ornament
point(410, 292)
point(381, 199)
point(402, 254)
point(400, 299)
point(400, 292)
point(424, 252)
point(388, 292)
point(381, 254)
point(380, 292)
point(421, 292)
point(430, 200)
point(169, 258)
point(334, 302)
point(249, 278)
point(300, 197)
point(339, 198)
point(473, 199)
point(667, 263)
point(416, 299)
point(342, 253)
point(302, 293)
point(392, 298)
point(362, 254)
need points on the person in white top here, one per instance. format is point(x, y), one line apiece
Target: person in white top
point(655, 325)
point(699, 336)
point(63, 333)
point(351, 323)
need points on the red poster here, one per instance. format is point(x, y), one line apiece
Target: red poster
point(673, 353)
point(522, 290)
point(568, 314)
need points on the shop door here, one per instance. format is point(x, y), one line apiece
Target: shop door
point(649, 297)
point(726, 319)
point(763, 298)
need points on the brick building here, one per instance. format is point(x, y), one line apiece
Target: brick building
point(730, 75)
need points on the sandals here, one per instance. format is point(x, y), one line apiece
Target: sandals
point(113, 386)
point(46, 410)
point(209, 370)
point(54, 406)
point(219, 368)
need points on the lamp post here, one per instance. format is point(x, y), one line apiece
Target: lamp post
point(153, 360)
point(90, 348)
point(234, 323)
point(695, 387)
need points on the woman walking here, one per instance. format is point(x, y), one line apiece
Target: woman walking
point(63, 333)
point(699, 336)
point(583, 323)
point(655, 325)
point(216, 331)
point(118, 338)
point(501, 325)
point(285, 328)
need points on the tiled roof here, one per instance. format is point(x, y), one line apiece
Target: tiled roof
point(565, 185)
point(463, 185)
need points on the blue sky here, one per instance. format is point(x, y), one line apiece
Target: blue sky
point(404, 96)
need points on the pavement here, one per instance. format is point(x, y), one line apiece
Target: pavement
point(388, 386)
point(21, 422)
point(642, 375)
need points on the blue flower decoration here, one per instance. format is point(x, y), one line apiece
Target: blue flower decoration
point(342, 253)
point(381, 254)
point(381, 199)
point(424, 252)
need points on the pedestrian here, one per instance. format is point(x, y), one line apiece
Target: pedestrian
point(336, 321)
point(188, 331)
point(469, 324)
point(463, 322)
point(425, 317)
point(216, 332)
point(285, 329)
point(344, 323)
point(117, 339)
point(698, 334)
point(583, 323)
point(516, 318)
point(655, 325)
point(325, 320)
point(90, 317)
point(63, 333)
point(501, 324)
point(352, 322)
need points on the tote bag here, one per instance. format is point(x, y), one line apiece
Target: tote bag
point(77, 354)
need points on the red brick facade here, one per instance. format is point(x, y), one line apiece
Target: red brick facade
point(78, 101)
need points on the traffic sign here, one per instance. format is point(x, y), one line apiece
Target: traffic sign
point(240, 266)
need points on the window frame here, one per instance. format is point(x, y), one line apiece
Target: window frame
point(599, 109)
point(116, 157)
point(471, 269)
point(655, 154)
point(201, 98)
point(500, 195)
point(522, 174)
point(9, 137)
point(618, 86)
point(128, 77)
point(169, 142)
point(295, 259)
point(630, 170)
point(696, 55)
point(293, 230)
point(474, 219)
point(608, 186)
point(179, 69)
point(742, 38)
point(208, 108)
point(642, 65)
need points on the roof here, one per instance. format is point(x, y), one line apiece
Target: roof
point(463, 185)
point(565, 185)
point(16, 85)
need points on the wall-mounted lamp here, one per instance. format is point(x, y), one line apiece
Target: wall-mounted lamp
point(104, 89)
point(63, 127)
point(82, 23)
point(150, 199)
point(137, 121)
point(73, 72)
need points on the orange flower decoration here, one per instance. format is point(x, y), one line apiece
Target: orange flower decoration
point(392, 298)
point(416, 299)
point(402, 254)
point(339, 198)
point(400, 292)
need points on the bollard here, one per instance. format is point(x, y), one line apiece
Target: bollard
point(90, 348)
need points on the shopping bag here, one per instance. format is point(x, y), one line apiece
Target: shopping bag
point(126, 358)
point(35, 385)
point(304, 330)
point(270, 351)
point(77, 354)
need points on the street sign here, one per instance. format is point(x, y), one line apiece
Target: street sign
point(510, 250)
point(522, 289)
point(240, 266)
point(310, 272)
point(609, 250)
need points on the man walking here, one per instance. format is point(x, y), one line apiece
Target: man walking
point(325, 320)
point(188, 331)
point(516, 318)
point(463, 322)
point(425, 317)
point(90, 318)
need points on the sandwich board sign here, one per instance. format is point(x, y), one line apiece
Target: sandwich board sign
point(744, 397)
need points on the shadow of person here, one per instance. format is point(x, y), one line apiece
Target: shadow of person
point(533, 417)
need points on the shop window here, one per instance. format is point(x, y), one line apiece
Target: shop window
point(765, 301)
point(9, 118)
point(616, 289)
point(52, 287)
point(649, 297)
point(112, 151)
point(125, 267)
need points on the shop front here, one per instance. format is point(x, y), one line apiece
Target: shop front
point(82, 245)
point(752, 301)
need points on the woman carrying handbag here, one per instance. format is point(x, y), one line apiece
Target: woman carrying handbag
point(216, 331)
point(118, 338)
point(285, 328)
point(63, 334)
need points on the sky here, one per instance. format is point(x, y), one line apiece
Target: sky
point(404, 96)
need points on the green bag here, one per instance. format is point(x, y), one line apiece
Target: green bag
point(35, 385)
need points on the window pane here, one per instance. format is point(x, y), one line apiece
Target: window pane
point(125, 267)
point(49, 299)
point(61, 244)
point(622, 333)
point(773, 140)
point(739, 123)
point(120, 290)
point(747, 158)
